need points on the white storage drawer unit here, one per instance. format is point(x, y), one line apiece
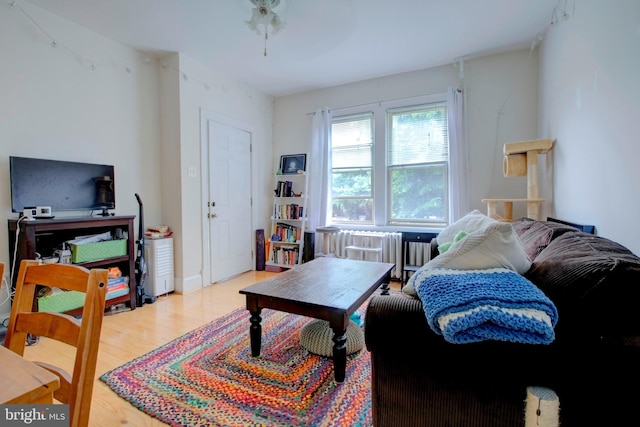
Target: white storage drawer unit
point(159, 257)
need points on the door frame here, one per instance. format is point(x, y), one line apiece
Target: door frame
point(205, 117)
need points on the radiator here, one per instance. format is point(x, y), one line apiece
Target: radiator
point(335, 243)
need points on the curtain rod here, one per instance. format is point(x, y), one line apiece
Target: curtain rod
point(380, 102)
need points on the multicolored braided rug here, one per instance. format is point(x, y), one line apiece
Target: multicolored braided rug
point(208, 378)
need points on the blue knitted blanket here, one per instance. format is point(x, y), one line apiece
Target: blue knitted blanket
point(467, 306)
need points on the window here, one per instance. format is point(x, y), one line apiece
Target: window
point(390, 165)
point(417, 158)
point(352, 169)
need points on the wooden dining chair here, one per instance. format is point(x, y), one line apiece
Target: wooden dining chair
point(82, 333)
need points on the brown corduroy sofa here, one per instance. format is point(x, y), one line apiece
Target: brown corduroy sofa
point(593, 364)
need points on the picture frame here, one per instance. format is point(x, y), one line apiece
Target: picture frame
point(291, 164)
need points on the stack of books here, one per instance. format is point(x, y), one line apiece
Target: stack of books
point(284, 254)
point(286, 233)
point(117, 287)
point(288, 211)
point(284, 189)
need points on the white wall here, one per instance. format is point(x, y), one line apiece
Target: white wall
point(140, 114)
point(502, 107)
point(54, 105)
point(590, 102)
point(197, 87)
point(501, 97)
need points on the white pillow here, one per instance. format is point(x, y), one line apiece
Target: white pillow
point(495, 244)
point(469, 223)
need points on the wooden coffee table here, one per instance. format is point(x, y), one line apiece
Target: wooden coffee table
point(330, 289)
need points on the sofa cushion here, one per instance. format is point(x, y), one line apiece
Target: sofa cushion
point(536, 235)
point(495, 244)
point(594, 283)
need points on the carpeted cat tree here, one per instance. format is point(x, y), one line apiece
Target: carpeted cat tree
point(520, 159)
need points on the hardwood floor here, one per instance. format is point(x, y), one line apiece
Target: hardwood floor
point(128, 334)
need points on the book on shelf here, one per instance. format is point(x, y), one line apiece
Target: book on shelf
point(117, 282)
point(117, 293)
point(284, 189)
point(286, 233)
point(288, 211)
point(285, 254)
point(121, 285)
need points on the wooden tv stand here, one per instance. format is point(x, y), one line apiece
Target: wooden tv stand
point(42, 235)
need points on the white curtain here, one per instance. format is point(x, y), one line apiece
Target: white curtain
point(320, 170)
point(458, 155)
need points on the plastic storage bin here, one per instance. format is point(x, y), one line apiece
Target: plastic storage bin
point(96, 251)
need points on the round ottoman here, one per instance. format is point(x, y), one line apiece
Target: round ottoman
point(317, 337)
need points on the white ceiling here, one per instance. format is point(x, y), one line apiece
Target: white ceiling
point(324, 43)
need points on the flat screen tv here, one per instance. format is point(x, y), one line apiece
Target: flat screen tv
point(62, 185)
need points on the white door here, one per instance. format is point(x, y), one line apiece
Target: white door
point(229, 216)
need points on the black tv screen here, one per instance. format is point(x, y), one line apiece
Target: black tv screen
point(62, 185)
